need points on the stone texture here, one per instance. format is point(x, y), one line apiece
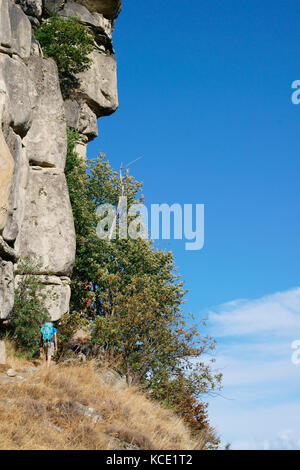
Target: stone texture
point(58, 294)
point(81, 149)
point(48, 230)
point(15, 87)
point(79, 116)
point(53, 6)
point(87, 412)
point(16, 202)
point(15, 30)
point(109, 8)
point(6, 288)
point(36, 218)
point(93, 19)
point(6, 174)
point(2, 353)
point(98, 84)
point(31, 7)
point(46, 141)
point(6, 251)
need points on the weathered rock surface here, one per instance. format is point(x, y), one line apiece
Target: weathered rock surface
point(93, 19)
point(2, 353)
point(80, 116)
point(16, 202)
point(53, 6)
point(109, 8)
point(36, 219)
point(15, 84)
point(57, 291)
point(15, 30)
point(46, 141)
point(98, 84)
point(31, 7)
point(6, 174)
point(6, 251)
point(6, 288)
point(47, 232)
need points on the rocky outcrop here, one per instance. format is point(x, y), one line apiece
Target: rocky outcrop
point(47, 230)
point(109, 8)
point(2, 353)
point(6, 177)
point(48, 117)
point(6, 288)
point(15, 30)
point(35, 213)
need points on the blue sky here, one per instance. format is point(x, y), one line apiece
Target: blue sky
point(205, 98)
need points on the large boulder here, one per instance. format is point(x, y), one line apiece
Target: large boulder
point(6, 174)
point(109, 8)
point(31, 7)
point(15, 30)
point(98, 84)
point(6, 288)
point(93, 19)
point(47, 233)
point(2, 353)
point(16, 201)
point(53, 6)
point(79, 116)
point(57, 292)
point(15, 87)
point(46, 141)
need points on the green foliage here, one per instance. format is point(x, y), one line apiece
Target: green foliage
point(135, 296)
point(29, 312)
point(68, 325)
point(69, 43)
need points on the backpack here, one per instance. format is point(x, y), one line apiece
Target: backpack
point(47, 332)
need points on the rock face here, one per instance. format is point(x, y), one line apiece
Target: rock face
point(36, 218)
point(109, 8)
point(15, 30)
point(48, 118)
point(6, 177)
point(2, 353)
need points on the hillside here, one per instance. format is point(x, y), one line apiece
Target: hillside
point(82, 407)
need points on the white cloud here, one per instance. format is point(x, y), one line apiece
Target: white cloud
point(279, 313)
point(261, 383)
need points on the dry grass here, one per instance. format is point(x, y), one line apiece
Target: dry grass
point(40, 413)
point(13, 360)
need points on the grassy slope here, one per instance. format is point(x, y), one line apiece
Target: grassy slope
point(39, 413)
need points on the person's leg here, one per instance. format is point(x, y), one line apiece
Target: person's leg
point(49, 358)
point(50, 353)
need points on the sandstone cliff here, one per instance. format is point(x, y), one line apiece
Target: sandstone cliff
point(35, 212)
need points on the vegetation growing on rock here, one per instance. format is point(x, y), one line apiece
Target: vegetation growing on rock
point(69, 43)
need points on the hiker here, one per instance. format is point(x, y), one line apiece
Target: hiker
point(48, 341)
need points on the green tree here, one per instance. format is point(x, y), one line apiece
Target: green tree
point(29, 311)
point(136, 296)
point(69, 43)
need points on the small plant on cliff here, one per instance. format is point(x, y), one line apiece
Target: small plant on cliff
point(29, 312)
point(69, 43)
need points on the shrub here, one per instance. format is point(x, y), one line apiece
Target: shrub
point(68, 325)
point(29, 312)
point(69, 43)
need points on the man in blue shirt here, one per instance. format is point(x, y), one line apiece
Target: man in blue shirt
point(49, 346)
